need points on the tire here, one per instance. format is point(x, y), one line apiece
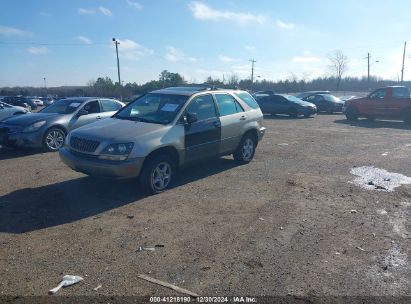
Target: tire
point(293, 112)
point(53, 139)
point(352, 114)
point(245, 150)
point(157, 174)
point(407, 116)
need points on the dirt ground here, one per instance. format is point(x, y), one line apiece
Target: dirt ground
point(288, 224)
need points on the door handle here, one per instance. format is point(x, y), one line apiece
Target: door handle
point(243, 118)
point(217, 124)
point(98, 117)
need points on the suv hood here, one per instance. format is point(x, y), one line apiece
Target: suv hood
point(29, 118)
point(117, 130)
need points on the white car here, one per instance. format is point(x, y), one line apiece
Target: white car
point(7, 110)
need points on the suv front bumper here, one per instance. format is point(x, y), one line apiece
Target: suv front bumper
point(90, 165)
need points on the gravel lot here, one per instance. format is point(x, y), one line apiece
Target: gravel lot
point(289, 223)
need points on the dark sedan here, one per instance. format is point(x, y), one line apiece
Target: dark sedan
point(326, 102)
point(49, 127)
point(286, 104)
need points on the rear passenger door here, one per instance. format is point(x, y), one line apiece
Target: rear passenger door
point(233, 118)
point(109, 107)
point(202, 138)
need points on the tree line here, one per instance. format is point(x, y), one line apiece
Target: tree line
point(106, 87)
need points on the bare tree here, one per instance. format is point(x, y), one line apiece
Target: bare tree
point(338, 65)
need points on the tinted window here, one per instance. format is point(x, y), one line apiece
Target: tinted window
point(227, 104)
point(379, 94)
point(92, 107)
point(108, 105)
point(203, 106)
point(248, 99)
point(63, 106)
point(310, 98)
point(401, 93)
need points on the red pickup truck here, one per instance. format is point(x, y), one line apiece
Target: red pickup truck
point(390, 103)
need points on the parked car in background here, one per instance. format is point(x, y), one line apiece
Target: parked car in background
point(392, 102)
point(165, 130)
point(49, 127)
point(38, 101)
point(286, 104)
point(305, 94)
point(326, 102)
point(7, 110)
point(19, 102)
point(47, 101)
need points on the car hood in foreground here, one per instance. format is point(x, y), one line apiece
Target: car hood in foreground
point(118, 130)
point(30, 118)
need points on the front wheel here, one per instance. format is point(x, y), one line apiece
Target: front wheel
point(246, 150)
point(53, 140)
point(157, 174)
point(352, 114)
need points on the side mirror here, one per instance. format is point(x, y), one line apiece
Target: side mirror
point(82, 112)
point(191, 118)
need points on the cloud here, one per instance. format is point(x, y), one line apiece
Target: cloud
point(224, 58)
point(135, 4)
point(250, 48)
point(306, 59)
point(284, 25)
point(12, 31)
point(174, 54)
point(83, 39)
point(37, 50)
point(84, 11)
point(132, 50)
point(105, 11)
point(203, 12)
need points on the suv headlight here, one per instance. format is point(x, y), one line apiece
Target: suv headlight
point(117, 151)
point(35, 126)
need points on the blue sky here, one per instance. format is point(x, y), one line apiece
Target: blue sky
point(69, 42)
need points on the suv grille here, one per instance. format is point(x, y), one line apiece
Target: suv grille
point(83, 145)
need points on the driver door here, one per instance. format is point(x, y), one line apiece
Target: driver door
point(92, 108)
point(202, 137)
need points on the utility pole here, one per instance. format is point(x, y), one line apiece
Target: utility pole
point(252, 69)
point(118, 67)
point(45, 85)
point(403, 61)
point(368, 78)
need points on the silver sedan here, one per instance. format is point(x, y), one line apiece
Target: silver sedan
point(49, 127)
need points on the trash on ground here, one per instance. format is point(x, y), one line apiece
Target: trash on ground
point(261, 219)
point(146, 249)
point(98, 287)
point(282, 144)
point(168, 285)
point(385, 154)
point(372, 178)
point(353, 211)
point(130, 216)
point(159, 246)
point(382, 211)
point(281, 228)
point(67, 280)
point(359, 248)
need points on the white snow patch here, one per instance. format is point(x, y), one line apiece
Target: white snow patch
point(382, 211)
point(372, 178)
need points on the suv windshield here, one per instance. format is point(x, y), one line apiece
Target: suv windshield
point(63, 106)
point(154, 108)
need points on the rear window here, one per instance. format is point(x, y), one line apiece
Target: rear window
point(248, 99)
point(401, 93)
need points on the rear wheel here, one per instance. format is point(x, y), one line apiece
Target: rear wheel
point(352, 114)
point(246, 149)
point(53, 139)
point(407, 116)
point(157, 174)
